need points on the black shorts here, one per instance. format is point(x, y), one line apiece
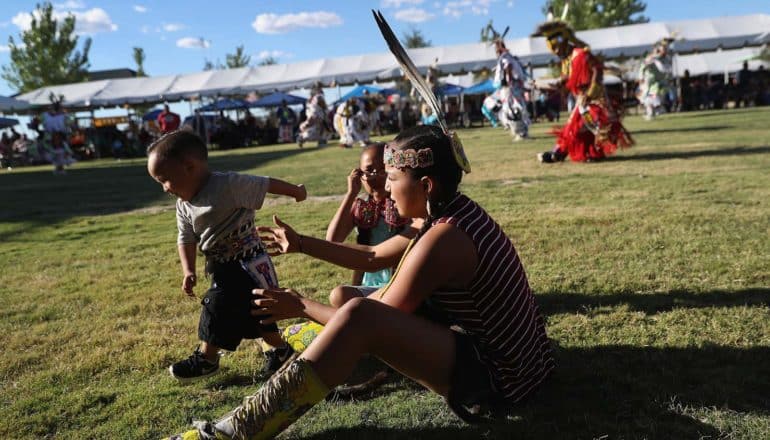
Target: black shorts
point(225, 317)
point(470, 384)
point(471, 387)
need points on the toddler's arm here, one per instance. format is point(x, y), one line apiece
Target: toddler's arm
point(283, 188)
point(187, 257)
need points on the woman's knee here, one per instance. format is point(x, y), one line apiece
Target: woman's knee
point(356, 311)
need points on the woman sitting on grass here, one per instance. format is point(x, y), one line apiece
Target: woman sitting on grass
point(461, 263)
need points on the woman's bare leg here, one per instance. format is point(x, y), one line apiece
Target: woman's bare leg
point(414, 346)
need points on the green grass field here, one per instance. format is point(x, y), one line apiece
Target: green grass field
point(651, 268)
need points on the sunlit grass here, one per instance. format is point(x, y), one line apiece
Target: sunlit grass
point(652, 270)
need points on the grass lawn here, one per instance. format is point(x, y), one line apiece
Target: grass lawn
point(651, 268)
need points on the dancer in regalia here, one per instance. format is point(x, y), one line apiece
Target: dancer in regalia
point(656, 79)
point(510, 79)
point(353, 122)
point(594, 129)
point(315, 127)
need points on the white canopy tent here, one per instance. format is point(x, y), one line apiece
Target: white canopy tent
point(721, 61)
point(11, 105)
point(627, 41)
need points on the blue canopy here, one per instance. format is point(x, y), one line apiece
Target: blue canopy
point(225, 104)
point(482, 88)
point(151, 115)
point(359, 91)
point(8, 122)
point(276, 99)
point(450, 90)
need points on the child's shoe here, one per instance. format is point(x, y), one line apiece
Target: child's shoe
point(193, 368)
point(202, 431)
point(275, 358)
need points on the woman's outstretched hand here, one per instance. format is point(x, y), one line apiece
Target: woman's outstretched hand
point(276, 304)
point(279, 240)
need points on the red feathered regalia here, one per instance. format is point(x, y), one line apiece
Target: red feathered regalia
point(594, 130)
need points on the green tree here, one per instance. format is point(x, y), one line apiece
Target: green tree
point(593, 14)
point(268, 61)
point(237, 59)
point(414, 39)
point(139, 58)
point(46, 54)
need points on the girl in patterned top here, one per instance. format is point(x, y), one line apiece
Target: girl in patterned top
point(374, 216)
point(490, 348)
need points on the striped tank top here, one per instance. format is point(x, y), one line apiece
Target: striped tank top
point(498, 309)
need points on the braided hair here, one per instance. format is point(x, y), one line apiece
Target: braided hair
point(445, 169)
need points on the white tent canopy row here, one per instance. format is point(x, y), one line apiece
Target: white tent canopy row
point(629, 41)
point(721, 61)
point(696, 64)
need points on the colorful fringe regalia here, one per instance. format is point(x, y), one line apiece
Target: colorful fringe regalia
point(656, 79)
point(594, 130)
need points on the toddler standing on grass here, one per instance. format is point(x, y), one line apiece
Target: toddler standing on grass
point(215, 211)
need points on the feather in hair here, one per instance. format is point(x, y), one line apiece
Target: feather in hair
point(418, 82)
point(410, 70)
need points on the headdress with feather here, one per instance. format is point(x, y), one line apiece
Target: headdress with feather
point(496, 36)
point(418, 82)
point(557, 31)
point(668, 41)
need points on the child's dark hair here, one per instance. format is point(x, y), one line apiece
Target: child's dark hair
point(444, 169)
point(378, 147)
point(178, 145)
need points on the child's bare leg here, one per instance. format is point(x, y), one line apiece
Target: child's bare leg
point(209, 351)
point(274, 339)
point(342, 294)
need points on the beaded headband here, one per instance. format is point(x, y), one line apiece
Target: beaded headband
point(408, 158)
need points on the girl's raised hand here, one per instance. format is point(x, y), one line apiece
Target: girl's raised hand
point(354, 181)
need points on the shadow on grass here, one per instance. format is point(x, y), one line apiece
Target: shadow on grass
point(733, 151)
point(652, 303)
point(681, 130)
point(724, 112)
point(36, 198)
point(621, 392)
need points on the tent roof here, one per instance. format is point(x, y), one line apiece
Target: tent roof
point(9, 105)
point(275, 99)
point(448, 89)
point(7, 122)
point(358, 92)
point(482, 88)
point(225, 104)
point(630, 41)
point(722, 61)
